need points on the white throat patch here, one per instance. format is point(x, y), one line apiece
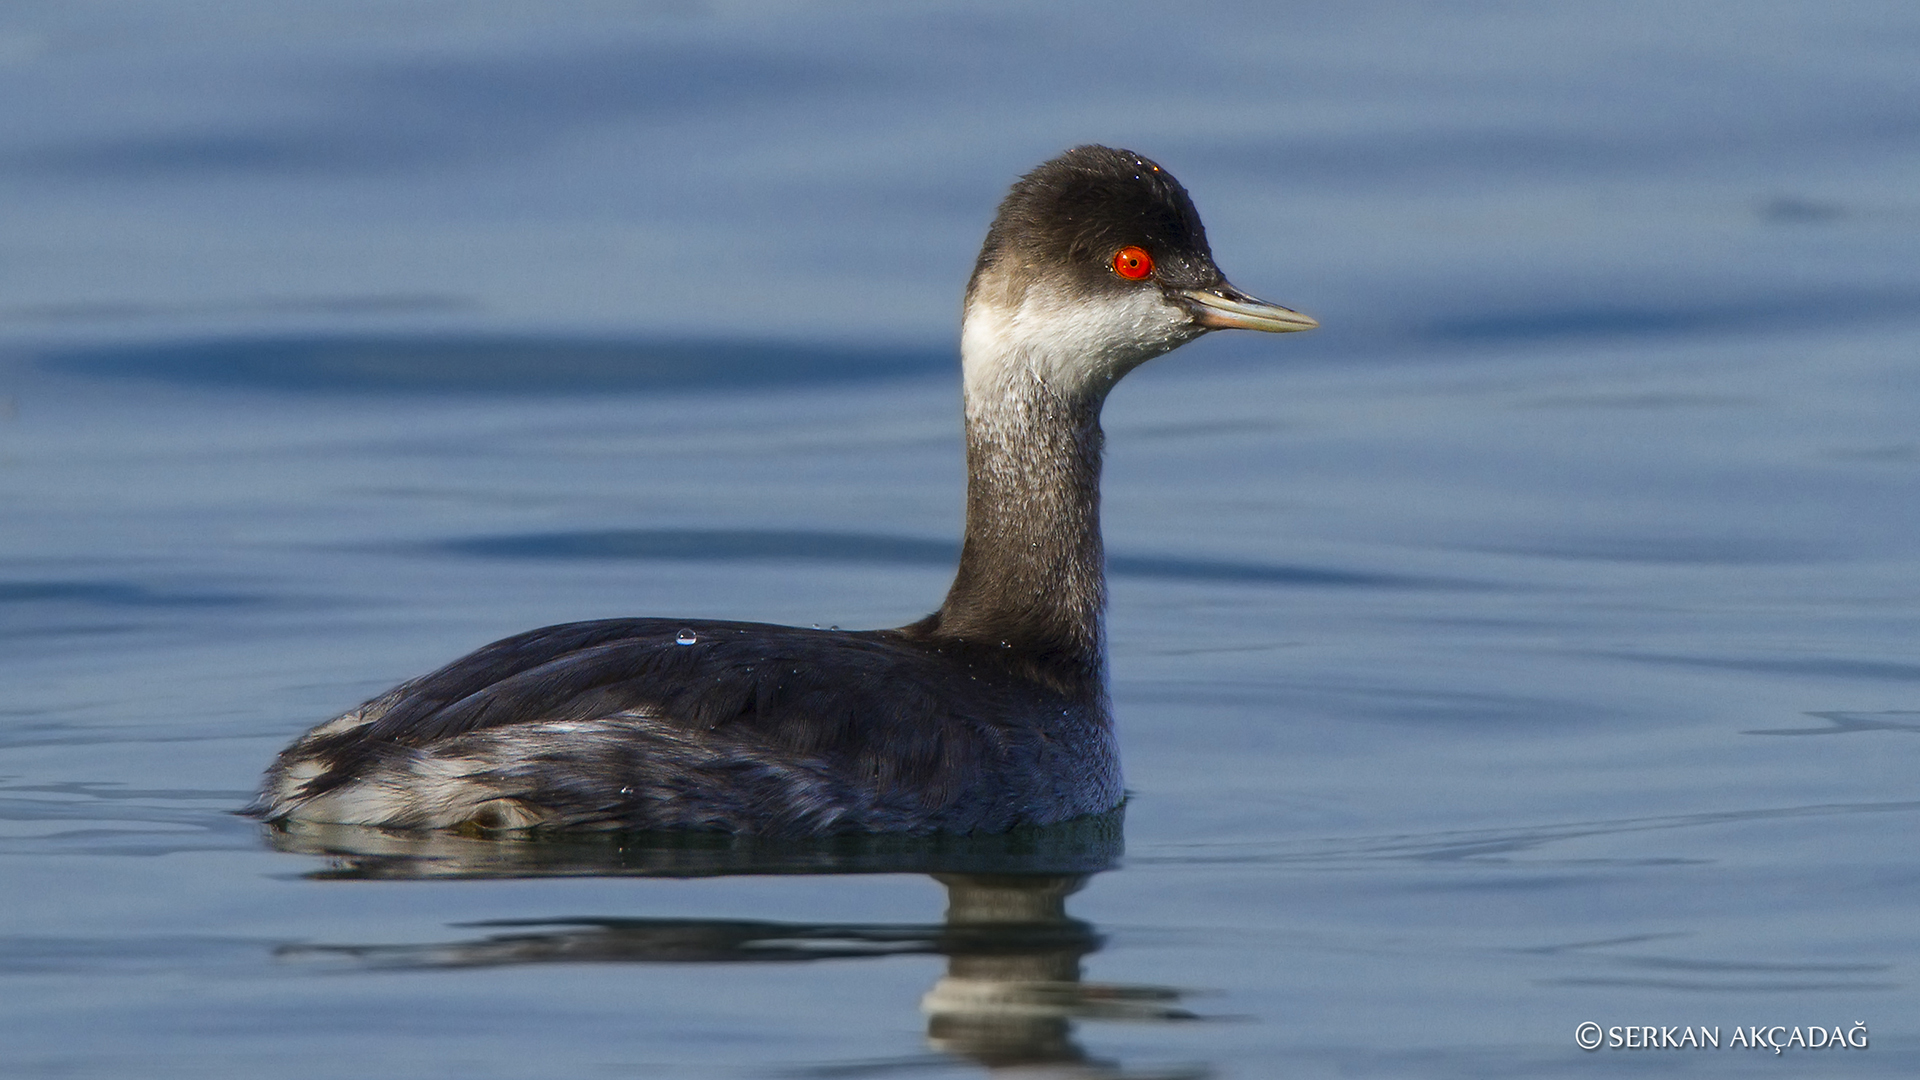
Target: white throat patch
point(1072, 344)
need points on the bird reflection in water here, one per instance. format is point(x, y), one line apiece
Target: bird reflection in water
point(1009, 998)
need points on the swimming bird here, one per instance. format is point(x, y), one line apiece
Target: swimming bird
point(988, 714)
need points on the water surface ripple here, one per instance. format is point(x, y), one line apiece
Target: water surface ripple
point(1533, 644)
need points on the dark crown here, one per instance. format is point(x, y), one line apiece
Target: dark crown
point(1078, 209)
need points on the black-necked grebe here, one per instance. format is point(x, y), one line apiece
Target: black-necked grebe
point(987, 714)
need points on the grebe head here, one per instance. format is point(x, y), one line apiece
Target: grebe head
point(1096, 263)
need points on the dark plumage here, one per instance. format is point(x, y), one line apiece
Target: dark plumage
point(770, 729)
point(989, 713)
point(1075, 211)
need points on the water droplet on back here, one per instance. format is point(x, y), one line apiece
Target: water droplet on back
point(685, 637)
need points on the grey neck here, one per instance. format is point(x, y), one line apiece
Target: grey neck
point(1032, 572)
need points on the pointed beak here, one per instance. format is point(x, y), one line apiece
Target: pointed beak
point(1227, 308)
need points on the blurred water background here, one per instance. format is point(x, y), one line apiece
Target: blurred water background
point(1534, 644)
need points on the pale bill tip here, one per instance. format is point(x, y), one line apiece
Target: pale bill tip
point(1216, 312)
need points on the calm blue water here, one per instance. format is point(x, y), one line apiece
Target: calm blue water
point(1533, 644)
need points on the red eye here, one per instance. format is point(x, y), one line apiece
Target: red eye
point(1132, 263)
